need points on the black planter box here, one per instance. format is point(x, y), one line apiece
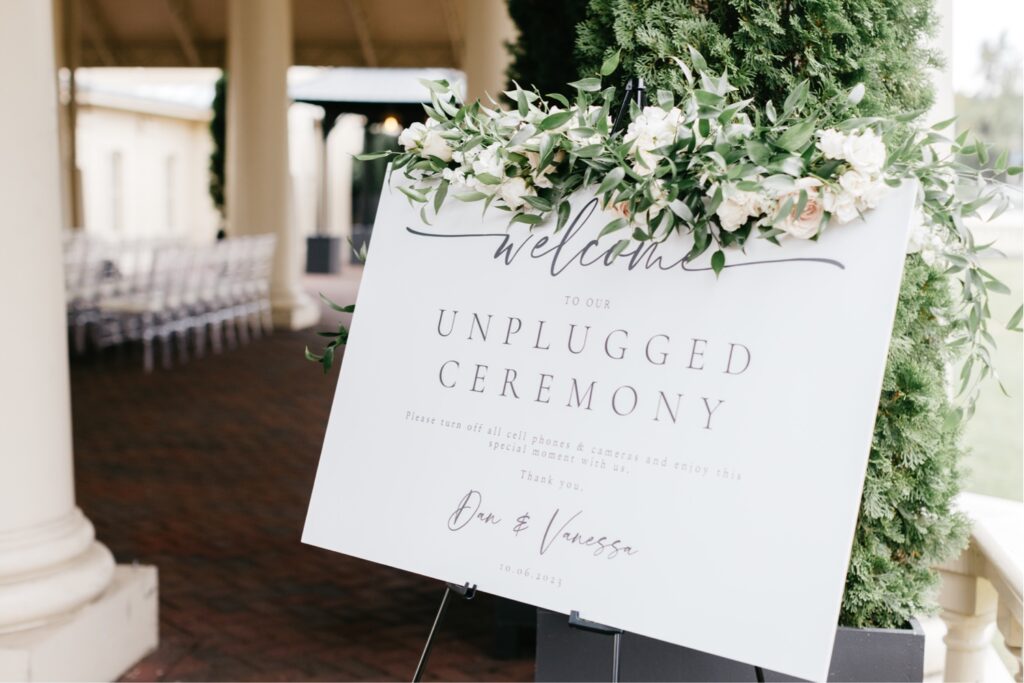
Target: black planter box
point(569, 654)
point(323, 254)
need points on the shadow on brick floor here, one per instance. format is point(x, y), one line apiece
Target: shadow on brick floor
point(205, 471)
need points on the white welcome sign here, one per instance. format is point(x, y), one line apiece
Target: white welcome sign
point(673, 454)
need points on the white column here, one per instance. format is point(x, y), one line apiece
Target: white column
point(344, 141)
point(258, 184)
point(50, 563)
point(485, 58)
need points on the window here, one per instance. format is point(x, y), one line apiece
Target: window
point(116, 191)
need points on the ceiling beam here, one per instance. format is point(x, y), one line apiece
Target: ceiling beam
point(181, 23)
point(358, 17)
point(97, 29)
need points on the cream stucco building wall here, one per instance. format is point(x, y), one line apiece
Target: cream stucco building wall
point(144, 174)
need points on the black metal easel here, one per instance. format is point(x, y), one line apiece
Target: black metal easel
point(634, 93)
point(466, 592)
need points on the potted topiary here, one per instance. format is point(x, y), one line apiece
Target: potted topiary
point(907, 523)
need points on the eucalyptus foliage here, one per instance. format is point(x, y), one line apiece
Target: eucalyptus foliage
point(710, 165)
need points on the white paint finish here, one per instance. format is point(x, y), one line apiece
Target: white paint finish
point(51, 568)
point(343, 143)
point(772, 547)
point(981, 590)
point(98, 643)
point(484, 58)
point(259, 185)
point(35, 407)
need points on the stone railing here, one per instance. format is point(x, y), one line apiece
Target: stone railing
point(981, 592)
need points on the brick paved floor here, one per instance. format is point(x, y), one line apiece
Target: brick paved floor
point(205, 471)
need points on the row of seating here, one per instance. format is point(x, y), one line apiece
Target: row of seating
point(157, 290)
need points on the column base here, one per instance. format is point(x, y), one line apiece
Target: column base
point(98, 642)
point(294, 313)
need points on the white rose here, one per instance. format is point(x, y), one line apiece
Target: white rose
point(830, 142)
point(873, 194)
point(854, 182)
point(805, 225)
point(454, 176)
point(412, 137)
point(841, 205)
point(436, 146)
point(512, 191)
point(653, 129)
point(489, 161)
point(738, 207)
point(865, 152)
point(731, 215)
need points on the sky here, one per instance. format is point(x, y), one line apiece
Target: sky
point(974, 22)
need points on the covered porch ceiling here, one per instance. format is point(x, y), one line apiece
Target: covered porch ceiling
point(183, 33)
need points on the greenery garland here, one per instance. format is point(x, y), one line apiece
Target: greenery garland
point(712, 166)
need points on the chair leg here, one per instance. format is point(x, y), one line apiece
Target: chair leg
point(268, 321)
point(165, 350)
point(216, 336)
point(182, 335)
point(200, 333)
point(229, 333)
point(147, 354)
point(80, 330)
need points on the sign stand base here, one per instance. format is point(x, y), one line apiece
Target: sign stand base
point(468, 592)
point(576, 621)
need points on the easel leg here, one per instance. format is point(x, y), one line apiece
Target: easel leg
point(616, 643)
point(466, 592)
point(421, 667)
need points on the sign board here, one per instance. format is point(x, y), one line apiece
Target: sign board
point(668, 452)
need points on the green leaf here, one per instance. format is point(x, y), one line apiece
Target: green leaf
point(528, 218)
point(796, 136)
point(439, 194)
point(697, 59)
point(856, 95)
point(539, 203)
point(1001, 160)
point(796, 97)
point(1015, 319)
point(469, 196)
point(718, 261)
point(374, 155)
point(611, 180)
point(587, 84)
point(944, 124)
point(552, 121)
point(610, 64)
point(612, 226)
point(337, 307)
point(563, 214)
point(488, 179)
point(414, 195)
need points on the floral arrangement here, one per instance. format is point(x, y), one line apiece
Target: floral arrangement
point(709, 165)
